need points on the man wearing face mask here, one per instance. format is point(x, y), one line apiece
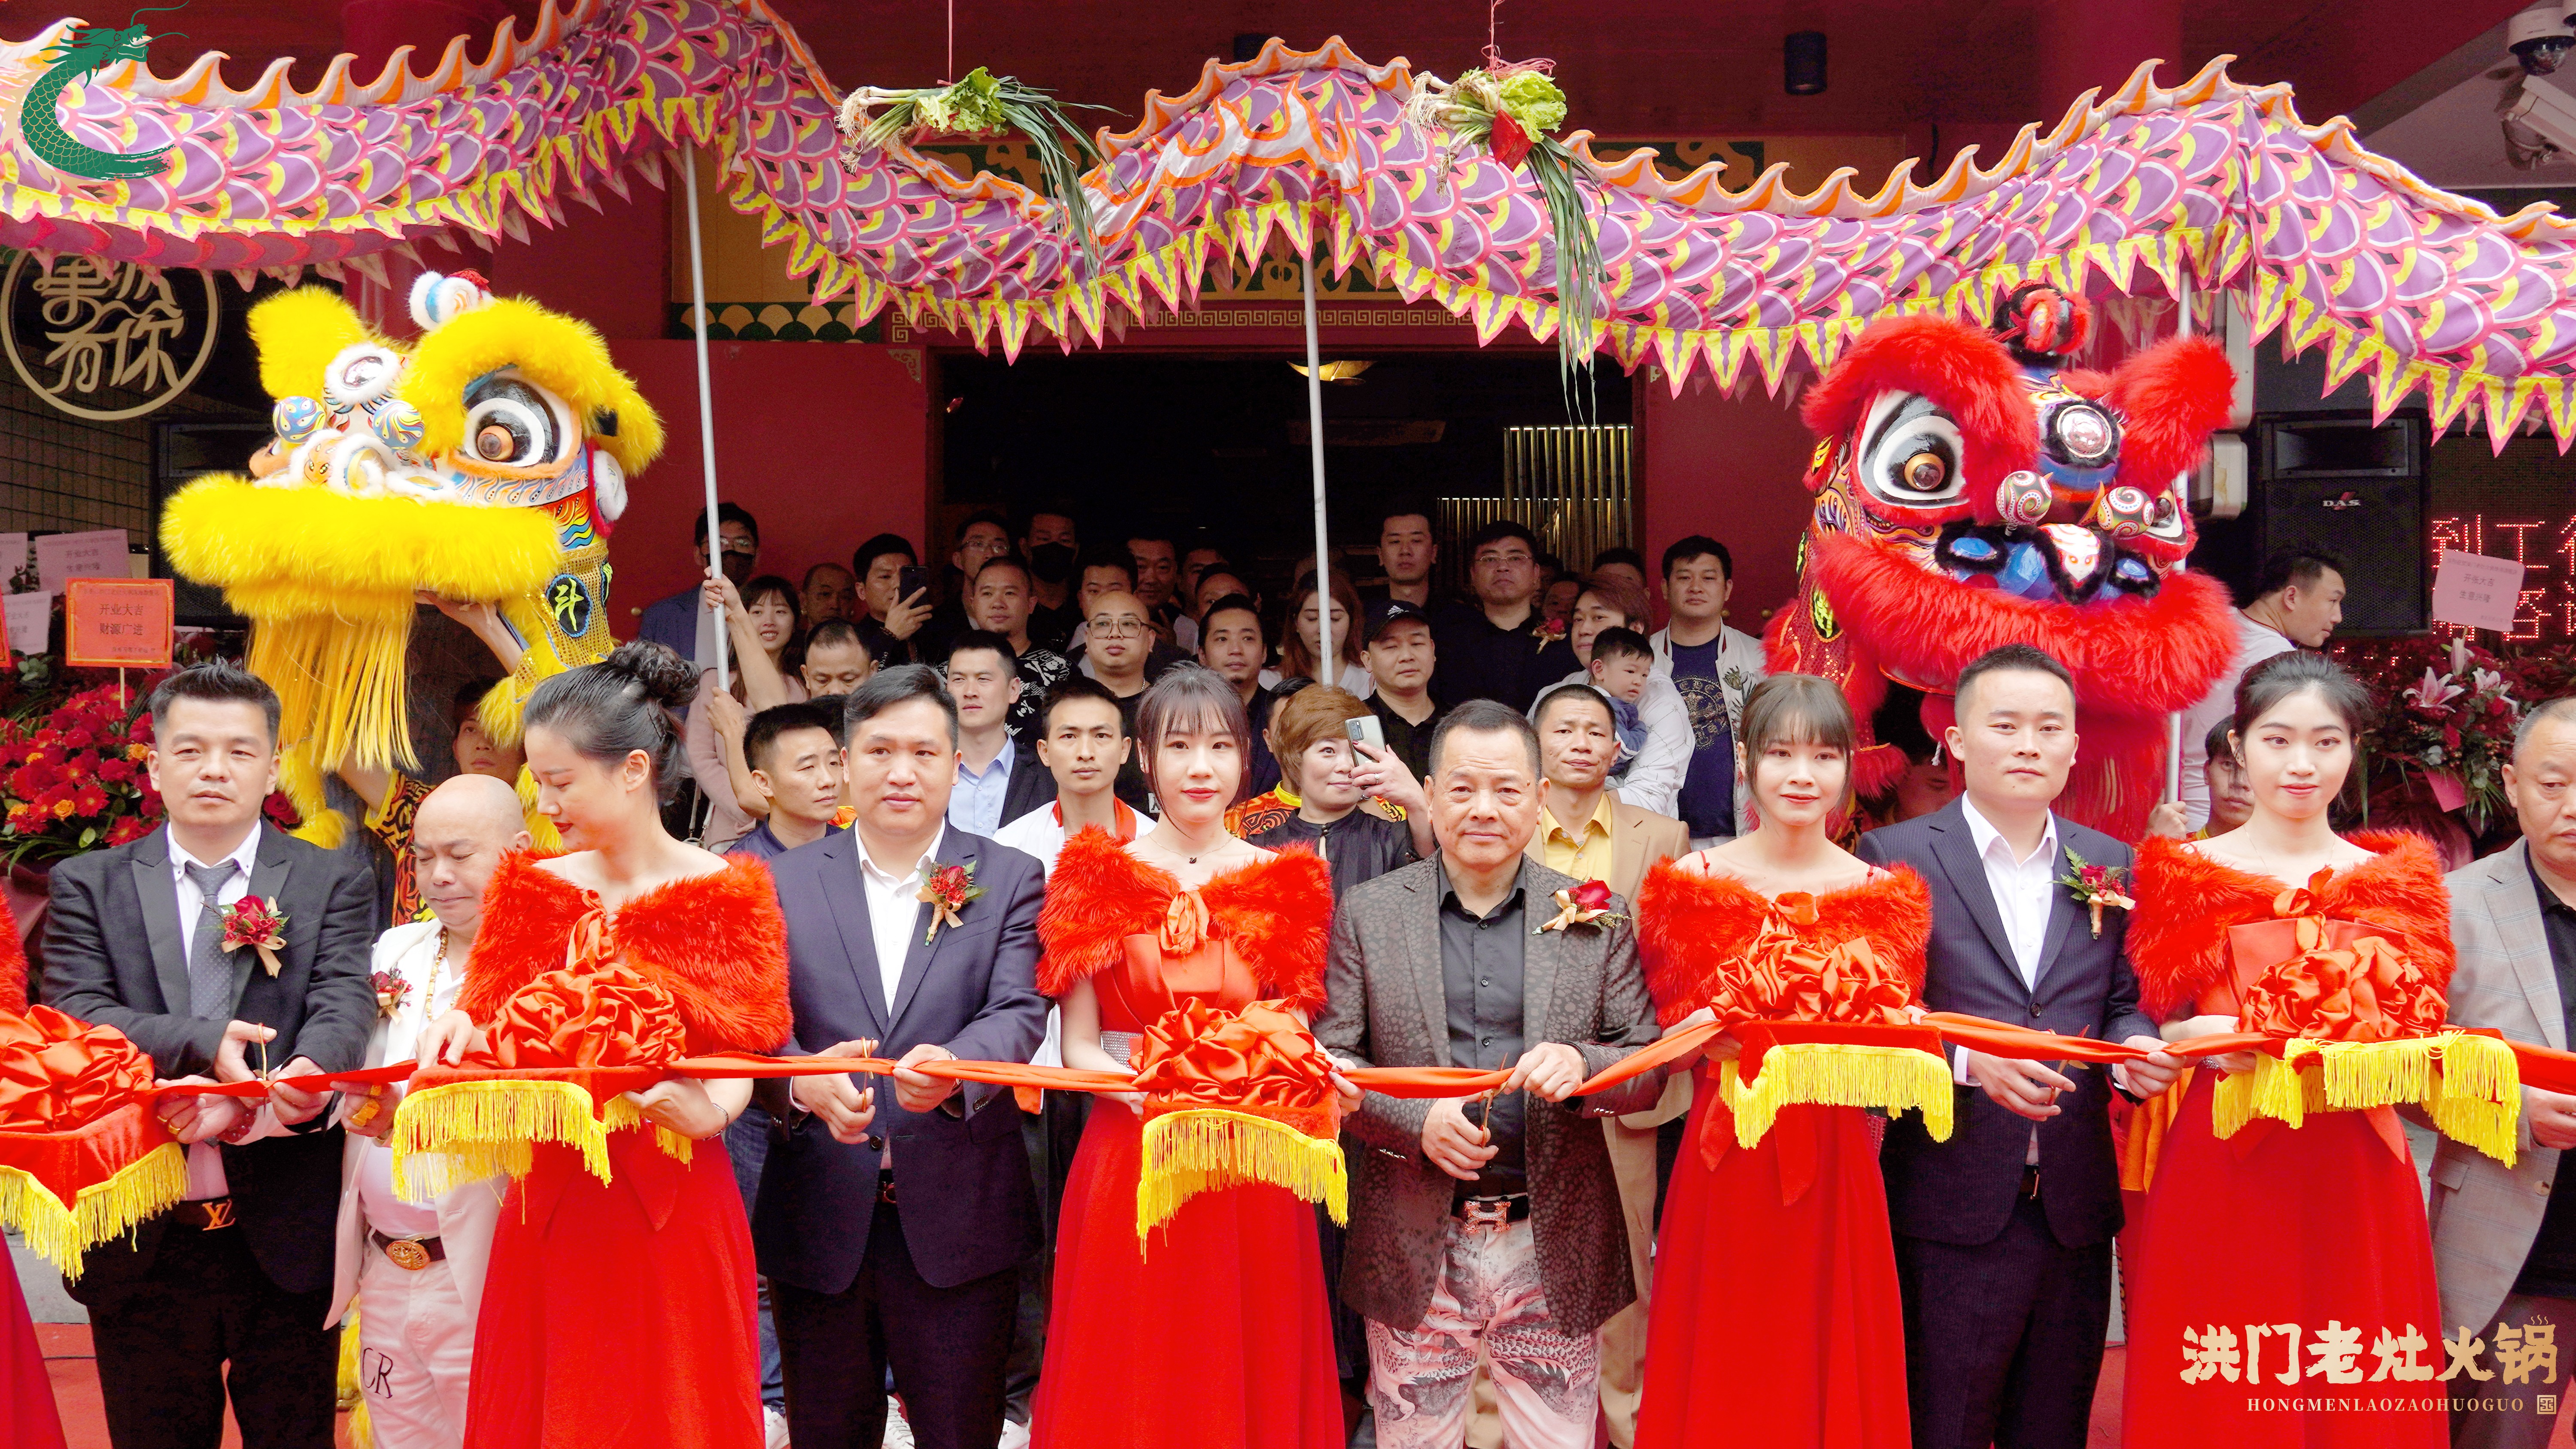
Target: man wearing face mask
point(680, 621)
point(416, 1271)
point(1050, 545)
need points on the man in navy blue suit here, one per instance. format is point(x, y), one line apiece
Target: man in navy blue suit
point(894, 1238)
point(2003, 1233)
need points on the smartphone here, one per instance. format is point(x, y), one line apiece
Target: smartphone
point(1367, 730)
point(915, 579)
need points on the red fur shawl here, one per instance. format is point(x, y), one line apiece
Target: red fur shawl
point(1277, 912)
point(717, 943)
point(1692, 928)
point(2187, 902)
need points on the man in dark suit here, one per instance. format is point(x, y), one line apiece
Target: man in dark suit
point(999, 778)
point(896, 1237)
point(241, 1271)
point(2003, 1233)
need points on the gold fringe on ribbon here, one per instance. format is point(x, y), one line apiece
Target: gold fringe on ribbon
point(2468, 1084)
point(144, 1188)
point(462, 1132)
point(1838, 1074)
point(1208, 1149)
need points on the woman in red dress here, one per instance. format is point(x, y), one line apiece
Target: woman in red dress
point(1775, 1318)
point(2295, 1258)
point(1212, 1333)
point(621, 1313)
point(27, 1416)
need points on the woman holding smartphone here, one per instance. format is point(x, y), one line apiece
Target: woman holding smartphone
point(1321, 764)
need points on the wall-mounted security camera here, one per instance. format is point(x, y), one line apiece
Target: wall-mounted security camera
point(2541, 36)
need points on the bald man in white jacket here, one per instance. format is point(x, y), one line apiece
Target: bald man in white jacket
point(416, 1270)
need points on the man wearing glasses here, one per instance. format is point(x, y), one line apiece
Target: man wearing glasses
point(674, 621)
point(1493, 648)
point(1117, 631)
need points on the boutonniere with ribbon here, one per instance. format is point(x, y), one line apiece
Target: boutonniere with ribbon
point(252, 921)
point(391, 992)
point(2097, 886)
point(946, 889)
point(1582, 906)
point(1549, 631)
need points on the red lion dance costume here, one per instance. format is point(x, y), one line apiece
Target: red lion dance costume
point(1970, 493)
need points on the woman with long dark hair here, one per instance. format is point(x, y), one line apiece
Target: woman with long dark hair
point(2269, 1247)
point(1775, 1310)
point(1209, 1332)
point(619, 1313)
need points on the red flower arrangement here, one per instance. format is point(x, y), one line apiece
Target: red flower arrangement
point(73, 778)
point(946, 889)
point(256, 922)
point(2446, 718)
point(391, 991)
point(2097, 888)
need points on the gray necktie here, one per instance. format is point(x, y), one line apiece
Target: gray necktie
point(210, 972)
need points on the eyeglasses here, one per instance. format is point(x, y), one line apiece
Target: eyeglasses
point(744, 546)
point(1119, 628)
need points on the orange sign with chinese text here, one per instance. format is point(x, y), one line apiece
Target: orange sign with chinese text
point(117, 623)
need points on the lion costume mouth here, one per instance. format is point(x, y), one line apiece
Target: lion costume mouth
point(2131, 652)
point(2062, 561)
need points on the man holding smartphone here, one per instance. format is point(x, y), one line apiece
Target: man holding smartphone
point(894, 589)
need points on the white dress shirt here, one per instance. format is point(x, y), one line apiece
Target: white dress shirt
point(893, 905)
point(206, 1159)
point(1041, 833)
point(435, 985)
point(2024, 893)
point(975, 805)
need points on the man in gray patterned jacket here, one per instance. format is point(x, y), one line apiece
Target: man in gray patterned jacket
point(1495, 1226)
point(2504, 1245)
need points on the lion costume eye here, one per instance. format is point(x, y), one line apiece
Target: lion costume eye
point(1910, 453)
point(511, 423)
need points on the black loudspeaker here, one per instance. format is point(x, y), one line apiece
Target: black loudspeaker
point(2340, 486)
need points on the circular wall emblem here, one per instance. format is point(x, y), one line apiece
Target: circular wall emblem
point(89, 335)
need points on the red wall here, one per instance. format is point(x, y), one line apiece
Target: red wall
point(825, 442)
point(1729, 468)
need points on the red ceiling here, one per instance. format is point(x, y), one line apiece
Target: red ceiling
point(1635, 67)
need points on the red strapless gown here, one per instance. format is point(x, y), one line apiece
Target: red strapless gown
point(1214, 1334)
point(620, 1315)
point(1776, 1318)
point(27, 1416)
point(2319, 1228)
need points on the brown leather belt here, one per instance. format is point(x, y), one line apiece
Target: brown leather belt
point(204, 1214)
point(410, 1254)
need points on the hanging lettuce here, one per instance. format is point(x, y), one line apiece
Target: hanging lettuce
point(981, 107)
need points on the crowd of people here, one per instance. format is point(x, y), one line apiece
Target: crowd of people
point(1161, 797)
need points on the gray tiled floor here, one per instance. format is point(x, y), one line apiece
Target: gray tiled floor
point(44, 1288)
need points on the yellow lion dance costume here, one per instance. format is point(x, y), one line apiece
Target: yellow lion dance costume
point(484, 462)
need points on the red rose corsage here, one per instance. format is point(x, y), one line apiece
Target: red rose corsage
point(391, 992)
point(946, 889)
point(2095, 887)
point(1581, 906)
point(256, 922)
point(1549, 631)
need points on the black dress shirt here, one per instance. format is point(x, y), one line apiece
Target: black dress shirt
point(1406, 740)
point(2550, 1270)
point(1480, 976)
point(1476, 660)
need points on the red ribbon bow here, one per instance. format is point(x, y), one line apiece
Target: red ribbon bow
point(1784, 976)
point(608, 1017)
point(1259, 1058)
point(2338, 982)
